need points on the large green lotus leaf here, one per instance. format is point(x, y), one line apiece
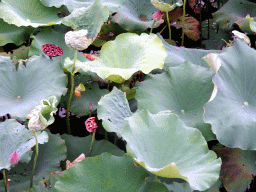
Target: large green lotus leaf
point(232, 113)
point(183, 90)
point(23, 89)
point(236, 11)
point(12, 34)
point(78, 145)
point(73, 4)
point(177, 55)
point(102, 173)
point(136, 15)
point(53, 36)
point(127, 54)
point(28, 13)
point(238, 168)
point(48, 161)
point(90, 18)
point(16, 138)
point(166, 5)
point(166, 147)
point(113, 108)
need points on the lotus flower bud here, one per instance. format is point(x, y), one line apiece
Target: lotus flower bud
point(78, 159)
point(14, 158)
point(77, 40)
point(157, 15)
point(90, 107)
point(91, 125)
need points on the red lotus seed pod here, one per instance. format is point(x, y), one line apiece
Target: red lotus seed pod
point(52, 50)
point(14, 158)
point(91, 125)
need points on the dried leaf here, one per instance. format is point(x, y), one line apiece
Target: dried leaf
point(191, 27)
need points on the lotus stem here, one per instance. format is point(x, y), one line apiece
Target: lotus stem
point(163, 29)
point(5, 180)
point(183, 22)
point(155, 180)
point(34, 164)
point(152, 26)
point(169, 26)
point(72, 79)
point(93, 138)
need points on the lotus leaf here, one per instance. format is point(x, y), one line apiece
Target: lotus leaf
point(28, 13)
point(48, 161)
point(166, 5)
point(107, 173)
point(177, 55)
point(183, 90)
point(113, 108)
point(236, 11)
point(16, 138)
point(232, 113)
point(90, 18)
point(12, 34)
point(136, 15)
point(23, 89)
point(238, 168)
point(127, 54)
point(72, 4)
point(166, 147)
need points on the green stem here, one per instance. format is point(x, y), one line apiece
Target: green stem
point(93, 138)
point(169, 26)
point(5, 179)
point(155, 180)
point(152, 26)
point(71, 92)
point(35, 158)
point(183, 23)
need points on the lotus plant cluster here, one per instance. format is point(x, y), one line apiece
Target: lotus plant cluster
point(156, 97)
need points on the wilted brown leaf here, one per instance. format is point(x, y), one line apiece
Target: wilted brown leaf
point(191, 27)
point(237, 169)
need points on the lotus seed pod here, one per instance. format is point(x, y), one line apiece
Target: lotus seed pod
point(52, 50)
point(91, 125)
point(77, 40)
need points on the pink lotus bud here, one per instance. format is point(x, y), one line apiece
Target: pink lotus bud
point(78, 159)
point(157, 15)
point(90, 107)
point(14, 158)
point(91, 125)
